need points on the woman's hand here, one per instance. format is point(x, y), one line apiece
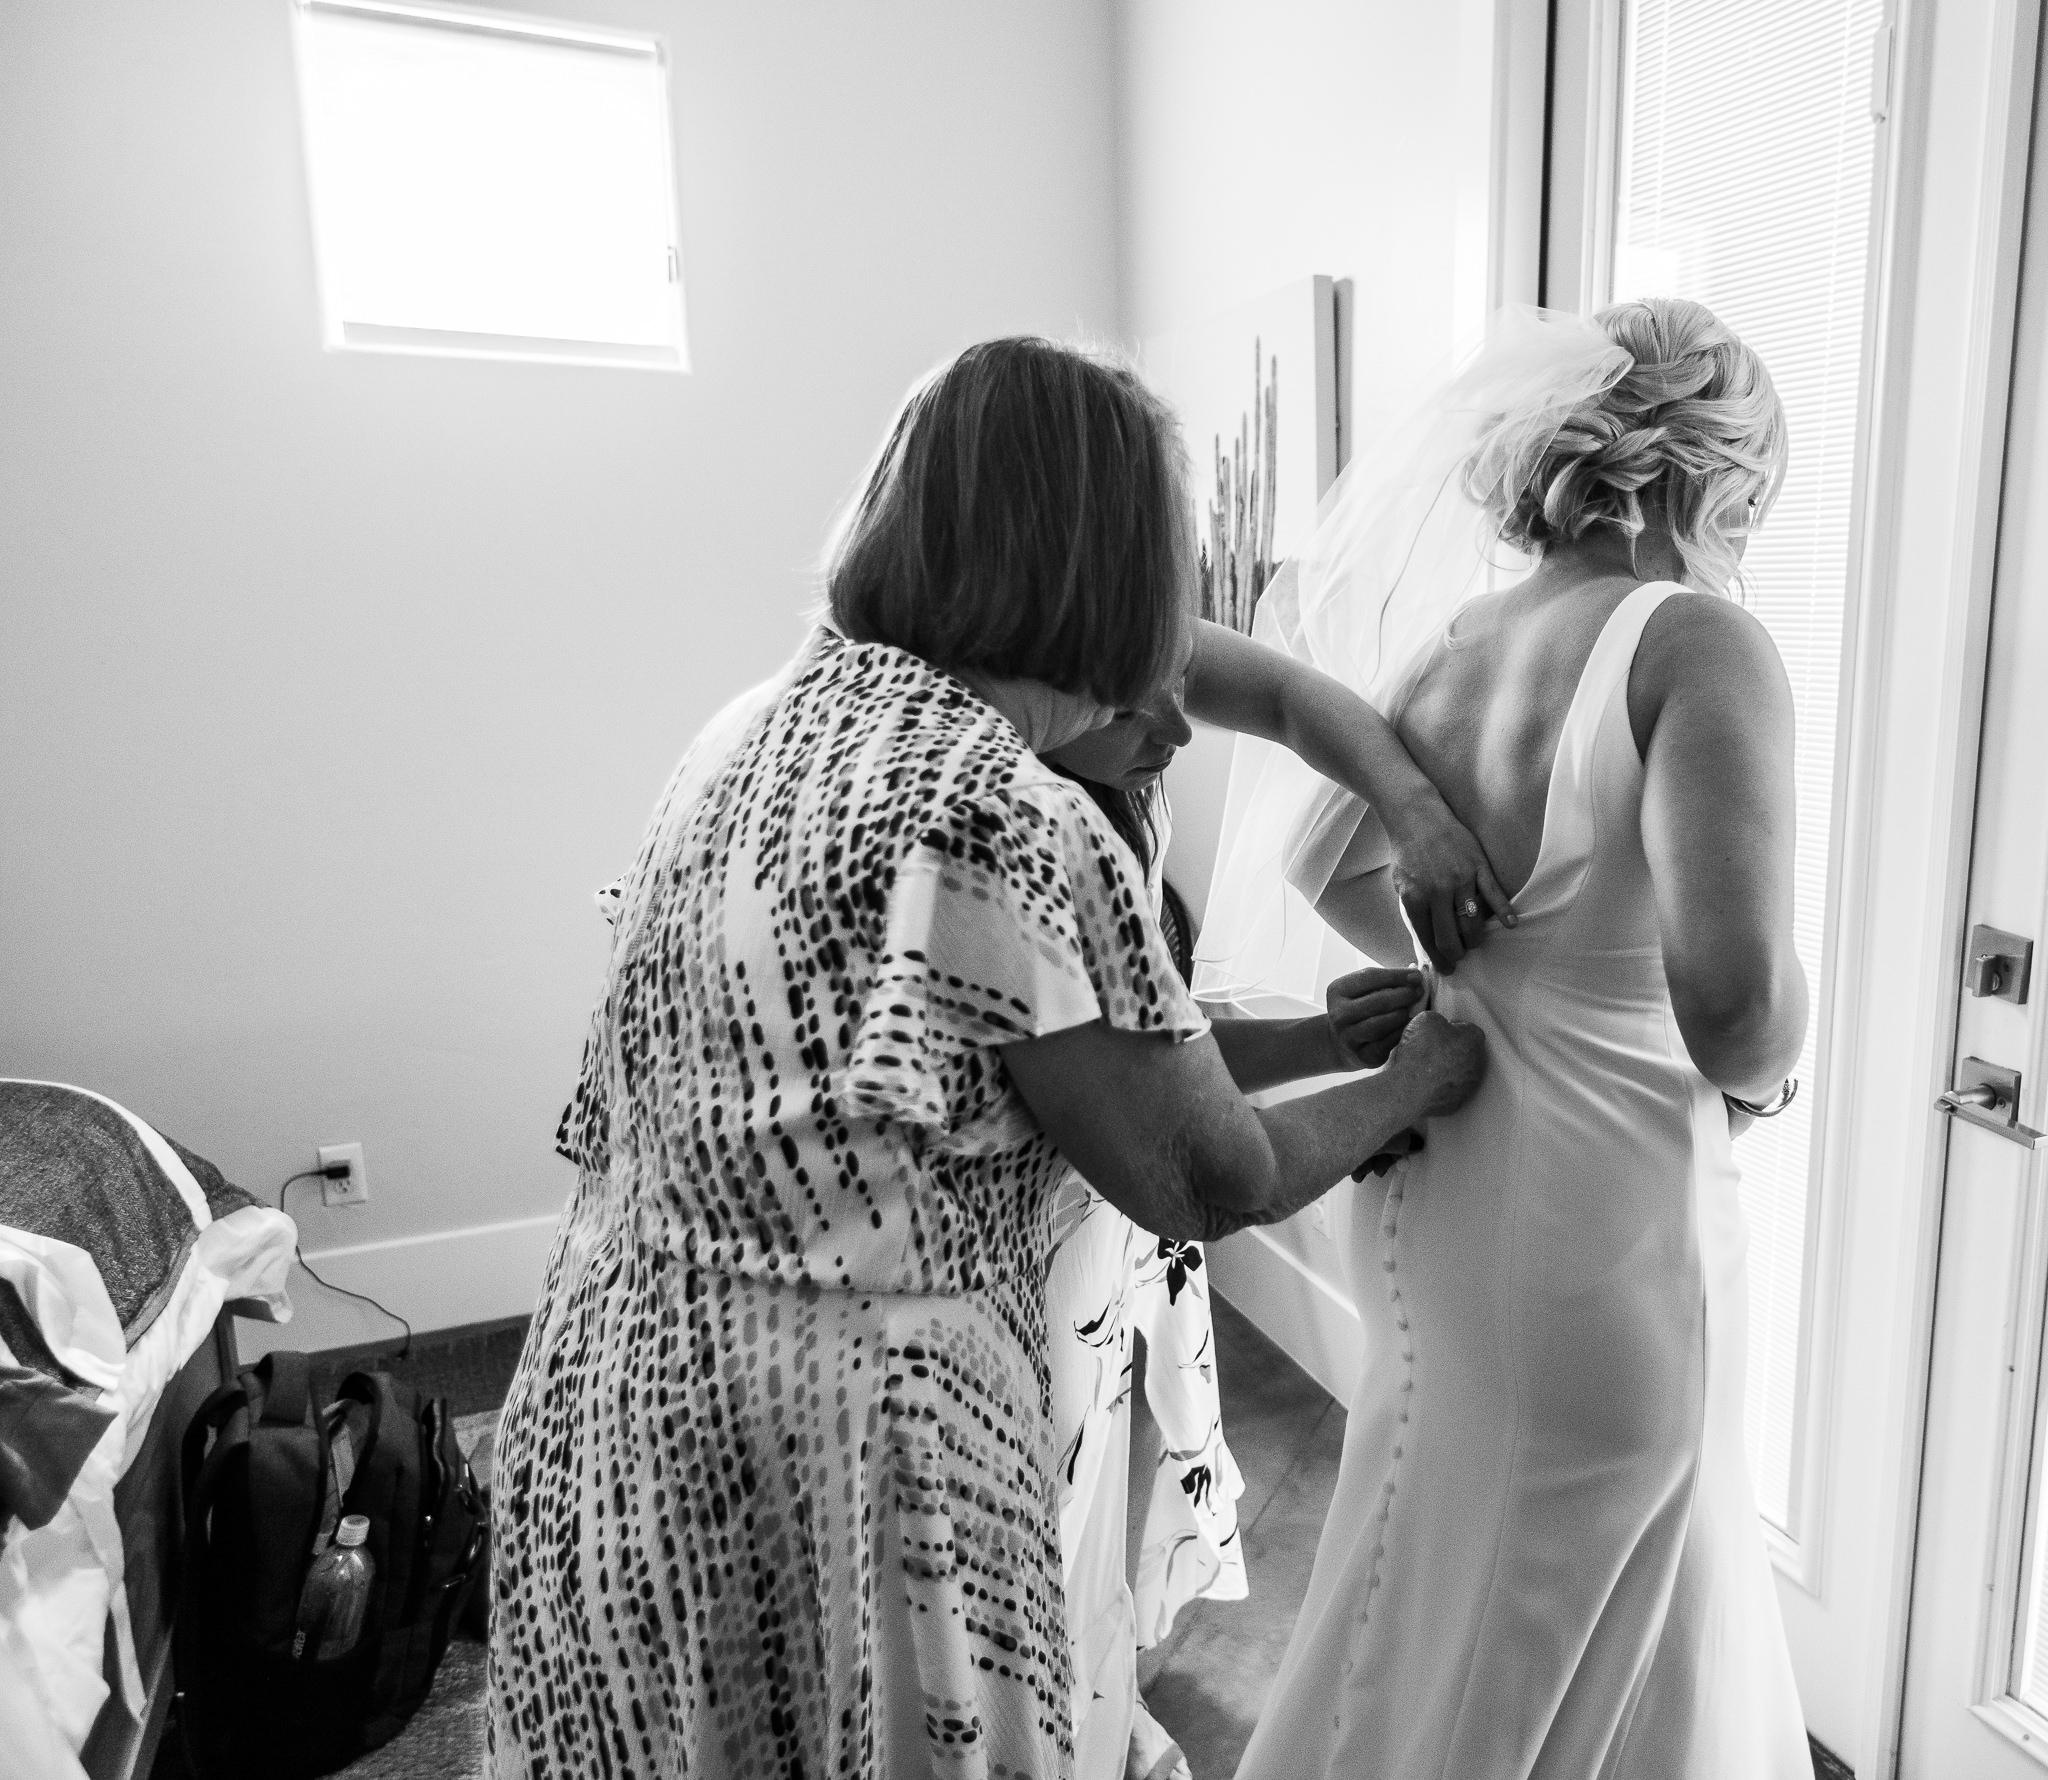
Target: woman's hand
point(1444, 1060)
point(1450, 1059)
point(1368, 1010)
point(1444, 880)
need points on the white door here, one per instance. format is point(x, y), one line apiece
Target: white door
point(1976, 1687)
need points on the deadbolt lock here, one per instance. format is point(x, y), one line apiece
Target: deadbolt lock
point(1998, 964)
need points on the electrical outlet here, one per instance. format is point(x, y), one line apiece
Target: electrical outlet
point(353, 1191)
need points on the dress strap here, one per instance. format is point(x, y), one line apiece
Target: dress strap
point(1568, 824)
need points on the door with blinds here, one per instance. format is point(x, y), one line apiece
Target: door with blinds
point(1726, 150)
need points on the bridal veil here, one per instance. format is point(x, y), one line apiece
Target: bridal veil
point(1402, 540)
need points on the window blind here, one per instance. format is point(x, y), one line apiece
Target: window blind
point(488, 186)
point(1746, 149)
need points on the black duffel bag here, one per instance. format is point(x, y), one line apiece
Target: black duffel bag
point(261, 1464)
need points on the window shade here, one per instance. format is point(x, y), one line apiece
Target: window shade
point(492, 187)
point(1744, 181)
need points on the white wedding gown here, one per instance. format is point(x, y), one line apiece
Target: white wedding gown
point(1544, 1558)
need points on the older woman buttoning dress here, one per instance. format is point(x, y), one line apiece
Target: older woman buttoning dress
point(777, 1465)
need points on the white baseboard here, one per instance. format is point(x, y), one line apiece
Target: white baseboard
point(444, 1280)
point(1311, 1320)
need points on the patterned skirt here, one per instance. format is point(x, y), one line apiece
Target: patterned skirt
point(750, 1529)
point(1108, 1280)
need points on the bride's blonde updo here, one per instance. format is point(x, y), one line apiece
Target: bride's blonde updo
point(1692, 435)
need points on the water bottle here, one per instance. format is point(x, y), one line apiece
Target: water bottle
point(336, 1592)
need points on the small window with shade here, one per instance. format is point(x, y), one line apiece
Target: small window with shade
point(488, 186)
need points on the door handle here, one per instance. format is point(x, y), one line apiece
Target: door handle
point(1988, 1096)
point(1982, 1095)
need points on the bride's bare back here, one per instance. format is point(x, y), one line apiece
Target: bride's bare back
point(1484, 715)
point(1712, 719)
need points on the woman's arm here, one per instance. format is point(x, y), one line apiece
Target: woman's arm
point(1238, 684)
point(1367, 1011)
point(1159, 1130)
point(1265, 1053)
point(1365, 912)
point(1712, 715)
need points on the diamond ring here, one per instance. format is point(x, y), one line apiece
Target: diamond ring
point(1469, 908)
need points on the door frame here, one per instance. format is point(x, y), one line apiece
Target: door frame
point(1956, 98)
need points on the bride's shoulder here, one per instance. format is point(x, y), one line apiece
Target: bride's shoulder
point(1709, 627)
point(1702, 645)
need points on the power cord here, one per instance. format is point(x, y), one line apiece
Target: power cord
point(338, 1171)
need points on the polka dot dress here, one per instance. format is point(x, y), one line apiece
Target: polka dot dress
point(775, 1475)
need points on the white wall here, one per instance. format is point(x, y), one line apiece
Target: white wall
point(1265, 140)
point(332, 684)
point(1260, 141)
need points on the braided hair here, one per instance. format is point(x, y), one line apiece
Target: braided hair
point(1692, 435)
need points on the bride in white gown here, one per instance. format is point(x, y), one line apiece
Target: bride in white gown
point(1543, 1558)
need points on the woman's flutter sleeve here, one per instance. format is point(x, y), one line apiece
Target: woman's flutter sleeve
point(1020, 913)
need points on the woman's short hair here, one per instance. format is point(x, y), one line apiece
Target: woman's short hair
point(1692, 434)
point(1026, 518)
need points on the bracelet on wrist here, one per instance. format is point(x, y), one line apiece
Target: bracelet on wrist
point(1772, 1107)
